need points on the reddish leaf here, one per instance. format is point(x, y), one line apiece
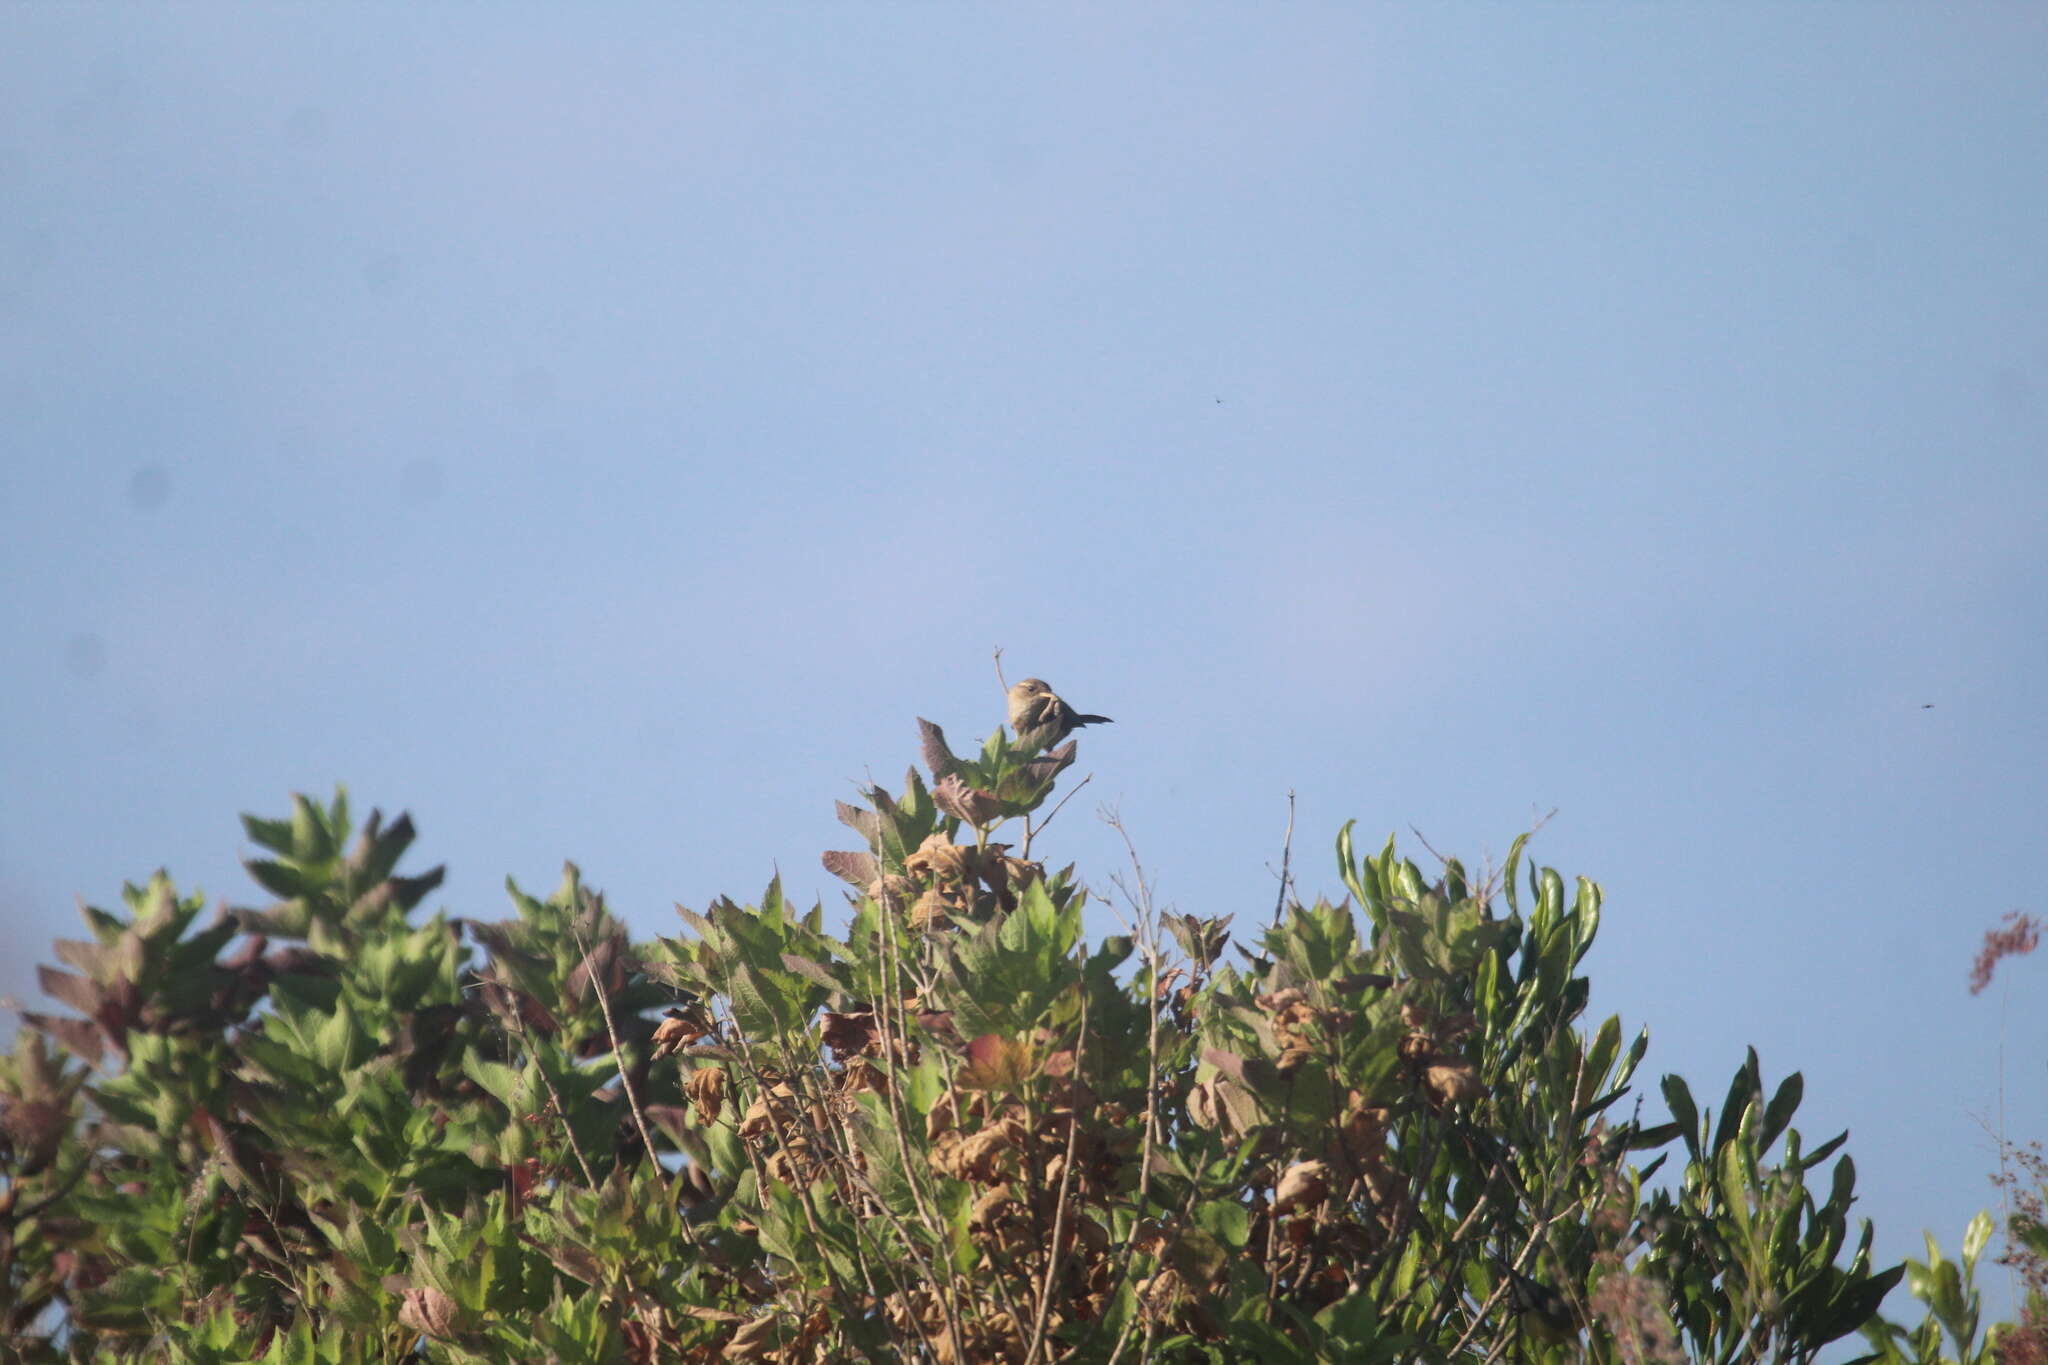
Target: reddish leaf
point(70, 988)
point(865, 823)
point(859, 868)
point(937, 756)
point(971, 804)
point(81, 1036)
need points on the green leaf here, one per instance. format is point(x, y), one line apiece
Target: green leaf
point(1409, 1266)
point(385, 850)
point(1600, 1058)
point(1779, 1112)
point(1115, 950)
point(1636, 1049)
point(275, 835)
point(1514, 862)
point(1548, 888)
point(1975, 1237)
point(498, 1080)
point(1733, 1173)
point(1489, 994)
point(1225, 1220)
point(1843, 1188)
point(277, 878)
point(1946, 1292)
point(926, 1082)
point(1678, 1095)
point(1855, 1307)
point(312, 840)
point(1822, 1152)
point(294, 1346)
point(1585, 918)
point(338, 1042)
point(124, 1301)
point(1747, 1084)
point(761, 1006)
point(1200, 1254)
point(827, 975)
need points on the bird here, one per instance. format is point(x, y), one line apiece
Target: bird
point(1041, 717)
point(1541, 1311)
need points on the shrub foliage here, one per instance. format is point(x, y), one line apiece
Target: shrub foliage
point(946, 1127)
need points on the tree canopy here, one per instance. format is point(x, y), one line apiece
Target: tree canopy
point(941, 1124)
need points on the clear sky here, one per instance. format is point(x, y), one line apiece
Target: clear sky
point(601, 430)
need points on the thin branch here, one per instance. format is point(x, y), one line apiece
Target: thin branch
point(1423, 839)
point(897, 1048)
point(611, 1028)
point(1030, 833)
point(1057, 1256)
point(1286, 864)
point(554, 1095)
point(1147, 934)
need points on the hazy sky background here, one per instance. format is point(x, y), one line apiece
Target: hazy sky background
point(601, 430)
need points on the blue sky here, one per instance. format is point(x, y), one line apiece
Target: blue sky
point(601, 430)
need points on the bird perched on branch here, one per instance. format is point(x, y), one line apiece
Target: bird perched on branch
point(1041, 717)
point(1541, 1311)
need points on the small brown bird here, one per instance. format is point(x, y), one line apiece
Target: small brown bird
point(1538, 1309)
point(1041, 717)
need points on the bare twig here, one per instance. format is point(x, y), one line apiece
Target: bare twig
point(1423, 839)
point(1490, 885)
point(561, 1112)
point(896, 1046)
point(1442, 1272)
point(611, 1028)
point(1286, 864)
point(1147, 934)
point(1057, 1256)
point(1031, 833)
point(64, 1187)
